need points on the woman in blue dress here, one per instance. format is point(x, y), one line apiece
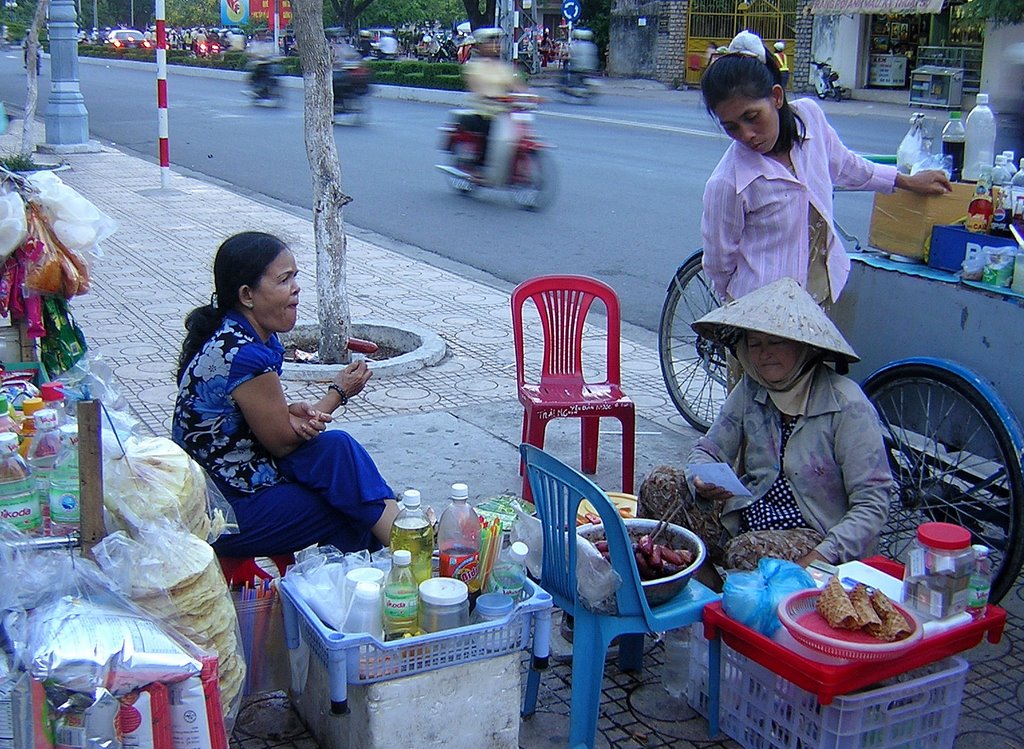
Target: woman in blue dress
point(291, 481)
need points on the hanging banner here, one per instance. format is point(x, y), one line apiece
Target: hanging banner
point(837, 7)
point(234, 12)
point(264, 10)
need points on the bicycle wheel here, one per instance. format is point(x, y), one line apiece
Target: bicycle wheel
point(955, 453)
point(694, 368)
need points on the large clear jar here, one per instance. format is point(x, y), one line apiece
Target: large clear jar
point(444, 604)
point(938, 570)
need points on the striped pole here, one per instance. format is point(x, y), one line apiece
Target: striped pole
point(161, 94)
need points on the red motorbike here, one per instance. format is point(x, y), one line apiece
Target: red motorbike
point(516, 160)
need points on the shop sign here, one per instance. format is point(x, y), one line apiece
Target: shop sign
point(835, 7)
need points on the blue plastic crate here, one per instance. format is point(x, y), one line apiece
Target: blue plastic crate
point(362, 659)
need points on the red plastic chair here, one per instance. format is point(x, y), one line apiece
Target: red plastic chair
point(563, 303)
point(239, 570)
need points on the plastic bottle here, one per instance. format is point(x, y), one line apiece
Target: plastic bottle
point(954, 137)
point(19, 501)
point(980, 583)
point(411, 531)
point(492, 607)
point(509, 574)
point(64, 496)
point(401, 597)
point(364, 612)
point(980, 145)
point(42, 455)
point(1002, 208)
point(29, 408)
point(458, 540)
point(52, 394)
point(7, 422)
point(1017, 199)
point(675, 673)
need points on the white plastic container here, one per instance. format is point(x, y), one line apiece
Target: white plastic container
point(366, 612)
point(444, 604)
point(980, 147)
point(675, 673)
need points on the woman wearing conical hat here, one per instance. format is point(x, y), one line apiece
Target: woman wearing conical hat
point(804, 440)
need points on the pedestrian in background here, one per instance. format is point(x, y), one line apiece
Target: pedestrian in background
point(768, 204)
point(782, 60)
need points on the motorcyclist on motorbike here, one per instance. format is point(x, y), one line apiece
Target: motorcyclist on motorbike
point(583, 57)
point(491, 79)
point(264, 70)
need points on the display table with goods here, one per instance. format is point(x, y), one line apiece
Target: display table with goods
point(732, 646)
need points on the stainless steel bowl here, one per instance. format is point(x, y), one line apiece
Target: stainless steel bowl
point(674, 536)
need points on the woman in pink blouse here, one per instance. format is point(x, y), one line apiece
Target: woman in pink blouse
point(768, 204)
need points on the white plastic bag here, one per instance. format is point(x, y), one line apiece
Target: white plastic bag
point(76, 222)
point(13, 226)
point(912, 148)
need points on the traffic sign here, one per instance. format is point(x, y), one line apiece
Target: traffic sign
point(571, 10)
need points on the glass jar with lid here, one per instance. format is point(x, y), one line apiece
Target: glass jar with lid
point(444, 604)
point(938, 570)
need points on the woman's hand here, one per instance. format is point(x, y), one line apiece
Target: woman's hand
point(306, 421)
point(929, 182)
point(811, 556)
point(711, 492)
point(353, 378)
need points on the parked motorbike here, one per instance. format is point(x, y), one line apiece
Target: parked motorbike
point(206, 49)
point(351, 80)
point(516, 160)
point(827, 83)
point(446, 52)
point(264, 82)
point(578, 87)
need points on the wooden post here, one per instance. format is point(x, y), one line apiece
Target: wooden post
point(90, 469)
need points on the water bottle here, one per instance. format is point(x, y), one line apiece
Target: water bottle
point(980, 582)
point(64, 495)
point(29, 408)
point(1002, 208)
point(980, 146)
point(411, 531)
point(509, 574)
point(675, 673)
point(953, 138)
point(458, 540)
point(365, 611)
point(52, 394)
point(42, 455)
point(401, 597)
point(19, 500)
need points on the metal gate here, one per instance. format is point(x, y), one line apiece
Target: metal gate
point(713, 23)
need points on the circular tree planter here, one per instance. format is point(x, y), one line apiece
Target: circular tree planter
point(410, 346)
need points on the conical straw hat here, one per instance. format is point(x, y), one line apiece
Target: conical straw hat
point(782, 309)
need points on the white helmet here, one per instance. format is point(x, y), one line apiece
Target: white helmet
point(584, 34)
point(779, 46)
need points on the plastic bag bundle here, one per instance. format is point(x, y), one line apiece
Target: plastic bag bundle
point(319, 578)
point(912, 148)
point(752, 598)
point(76, 222)
point(13, 225)
point(54, 268)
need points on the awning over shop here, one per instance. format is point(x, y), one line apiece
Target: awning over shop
point(836, 7)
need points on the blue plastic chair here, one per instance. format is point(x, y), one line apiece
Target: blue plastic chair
point(557, 492)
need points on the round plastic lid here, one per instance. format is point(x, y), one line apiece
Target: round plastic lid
point(519, 550)
point(366, 591)
point(402, 557)
point(981, 99)
point(6, 440)
point(31, 405)
point(460, 491)
point(52, 391)
point(980, 550)
point(365, 575)
point(944, 536)
point(494, 605)
point(443, 591)
point(411, 498)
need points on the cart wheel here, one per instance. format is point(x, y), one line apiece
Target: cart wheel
point(955, 449)
point(694, 368)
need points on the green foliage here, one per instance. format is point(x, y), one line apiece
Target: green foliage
point(418, 73)
point(595, 16)
point(999, 12)
point(192, 12)
point(16, 162)
point(395, 13)
point(236, 60)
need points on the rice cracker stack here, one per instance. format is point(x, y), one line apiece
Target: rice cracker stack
point(835, 606)
point(189, 593)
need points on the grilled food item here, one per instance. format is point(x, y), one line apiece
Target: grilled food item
point(835, 606)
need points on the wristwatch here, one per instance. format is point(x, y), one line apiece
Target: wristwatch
point(341, 393)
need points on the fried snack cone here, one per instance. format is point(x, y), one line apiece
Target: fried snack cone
point(867, 618)
point(894, 625)
point(835, 607)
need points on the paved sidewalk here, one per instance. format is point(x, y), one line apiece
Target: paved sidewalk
point(458, 420)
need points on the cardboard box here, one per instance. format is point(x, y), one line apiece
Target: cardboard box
point(951, 244)
point(902, 222)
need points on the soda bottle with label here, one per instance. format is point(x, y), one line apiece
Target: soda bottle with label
point(64, 494)
point(401, 597)
point(458, 540)
point(509, 574)
point(411, 531)
point(19, 500)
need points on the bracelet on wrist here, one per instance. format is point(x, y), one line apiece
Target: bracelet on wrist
point(342, 395)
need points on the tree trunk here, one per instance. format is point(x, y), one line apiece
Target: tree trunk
point(32, 86)
point(328, 199)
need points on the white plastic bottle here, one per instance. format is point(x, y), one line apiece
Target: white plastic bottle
point(1002, 206)
point(980, 582)
point(365, 612)
point(41, 457)
point(64, 494)
point(980, 147)
point(401, 597)
point(411, 531)
point(509, 574)
point(675, 673)
point(458, 540)
point(19, 500)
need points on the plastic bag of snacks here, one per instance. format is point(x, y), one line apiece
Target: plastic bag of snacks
point(998, 266)
point(13, 226)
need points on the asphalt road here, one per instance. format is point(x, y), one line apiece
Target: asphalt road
point(631, 170)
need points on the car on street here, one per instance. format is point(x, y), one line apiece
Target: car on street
point(128, 39)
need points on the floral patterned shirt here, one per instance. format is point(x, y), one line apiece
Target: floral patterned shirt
point(208, 424)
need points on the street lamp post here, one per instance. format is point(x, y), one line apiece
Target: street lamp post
point(67, 121)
